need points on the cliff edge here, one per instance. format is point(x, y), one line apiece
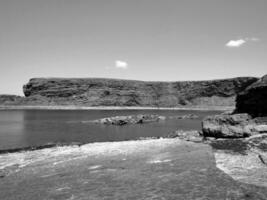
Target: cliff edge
point(253, 100)
point(115, 92)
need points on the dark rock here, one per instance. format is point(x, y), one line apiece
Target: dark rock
point(234, 145)
point(132, 119)
point(192, 135)
point(258, 141)
point(189, 116)
point(10, 99)
point(113, 92)
point(2, 174)
point(228, 126)
point(253, 100)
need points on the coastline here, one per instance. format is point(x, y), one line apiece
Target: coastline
point(59, 107)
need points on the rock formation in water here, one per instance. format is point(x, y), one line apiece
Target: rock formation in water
point(253, 100)
point(113, 92)
point(138, 119)
point(131, 119)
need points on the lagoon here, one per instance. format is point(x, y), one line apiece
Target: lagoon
point(24, 128)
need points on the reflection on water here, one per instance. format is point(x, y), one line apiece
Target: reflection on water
point(11, 129)
point(20, 128)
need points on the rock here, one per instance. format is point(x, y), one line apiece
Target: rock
point(10, 99)
point(189, 116)
point(162, 118)
point(232, 126)
point(2, 174)
point(253, 100)
point(114, 92)
point(192, 135)
point(258, 141)
point(248, 168)
point(244, 159)
point(260, 128)
point(227, 126)
point(132, 119)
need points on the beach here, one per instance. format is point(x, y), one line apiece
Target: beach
point(144, 169)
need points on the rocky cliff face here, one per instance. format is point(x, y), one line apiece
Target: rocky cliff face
point(114, 92)
point(253, 100)
point(10, 99)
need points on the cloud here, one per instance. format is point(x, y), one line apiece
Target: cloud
point(240, 42)
point(254, 39)
point(235, 43)
point(121, 64)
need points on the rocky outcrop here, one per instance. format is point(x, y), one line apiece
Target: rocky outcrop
point(244, 160)
point(232, 126)
point(191, 135)
point(113, 92)
point(253, 100)
point(10, 99)
point(188, 116)
point(131, 119)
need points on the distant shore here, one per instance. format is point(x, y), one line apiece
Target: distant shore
point(25, 107)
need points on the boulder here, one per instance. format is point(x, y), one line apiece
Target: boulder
point(191, 135)
point(229, 126)
point(253, 100)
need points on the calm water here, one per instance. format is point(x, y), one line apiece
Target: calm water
point(21, 128)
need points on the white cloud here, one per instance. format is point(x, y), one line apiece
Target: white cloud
point(240, 42)
point(254, 39)
point(235, 43)
point(121, 64)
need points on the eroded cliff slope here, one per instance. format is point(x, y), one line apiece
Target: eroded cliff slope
point(114, 92)
point(253, 100)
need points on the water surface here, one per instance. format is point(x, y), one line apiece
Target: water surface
point(23, 128)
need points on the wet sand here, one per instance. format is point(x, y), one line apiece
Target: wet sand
point(146, 169)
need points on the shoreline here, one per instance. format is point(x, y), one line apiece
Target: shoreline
point(165, 163)
point(25, 107)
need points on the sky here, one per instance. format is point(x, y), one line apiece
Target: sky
point(154, 40)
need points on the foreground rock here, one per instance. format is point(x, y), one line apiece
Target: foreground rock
point(191, 135)
point(253, 100)
point(131, 119)
point(232, 126)
point(147, 169)
point(243, 159)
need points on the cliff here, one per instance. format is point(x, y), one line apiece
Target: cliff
point(253, 100)
point(114, 92)
point(10, 99)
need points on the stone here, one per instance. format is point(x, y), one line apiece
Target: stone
point(228, 126)
point(260, 128)
point(131, 119)
point(191, 135)
point(188, 116)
